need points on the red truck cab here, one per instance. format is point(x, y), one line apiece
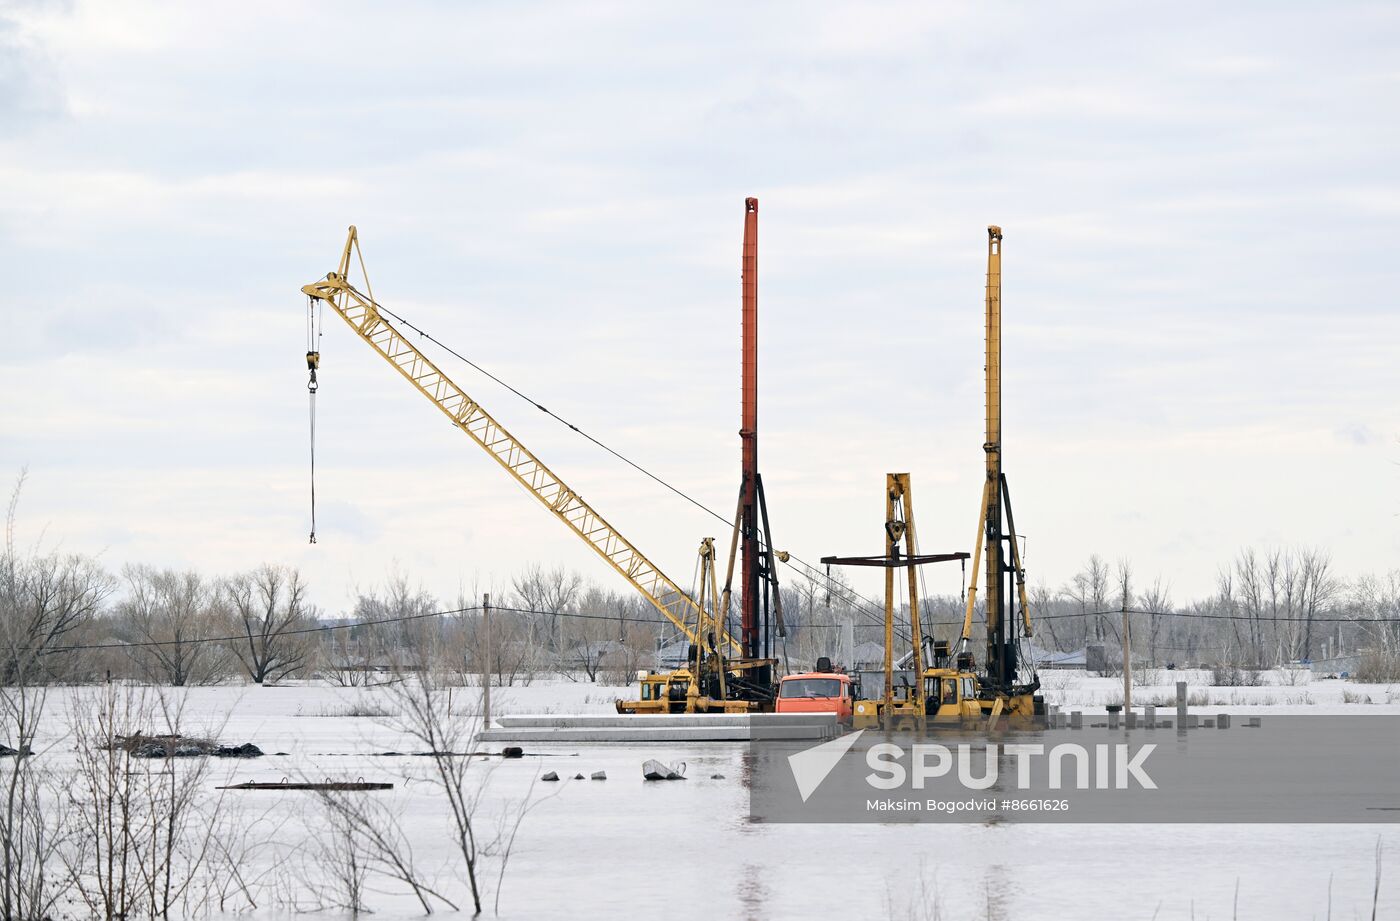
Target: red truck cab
point(818, 692)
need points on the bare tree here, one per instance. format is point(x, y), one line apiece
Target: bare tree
point(547, 591)
point(409, 609)
point(167, 615)
point(1319, 590)
point(267, 610)
point(44, 598)
point(1089, 590)
point(1157, 601)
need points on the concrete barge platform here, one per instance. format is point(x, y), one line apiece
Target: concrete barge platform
point(689, 727)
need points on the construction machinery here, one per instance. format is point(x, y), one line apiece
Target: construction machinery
point(912, 697)
point(1006, 576)
point(943, 687)
point(760, 601)
point(719, 676)
point(822, 690)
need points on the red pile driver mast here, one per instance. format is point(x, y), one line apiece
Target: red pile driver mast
point(750, 549)
point(760, 601)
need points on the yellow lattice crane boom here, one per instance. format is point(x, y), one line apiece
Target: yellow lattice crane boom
point(363, 315)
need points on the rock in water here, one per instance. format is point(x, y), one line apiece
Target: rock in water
point(550, 776)
point(655, 770)
point(600, 775)
point(512, 751)
point(246, 750)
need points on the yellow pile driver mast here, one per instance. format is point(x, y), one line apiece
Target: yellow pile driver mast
point(1006, 577)
point(716, 678)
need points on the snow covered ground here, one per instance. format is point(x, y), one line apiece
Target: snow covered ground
point(623, 847)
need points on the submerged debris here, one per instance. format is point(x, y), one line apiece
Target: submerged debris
point(177, 746)
point(349, 786)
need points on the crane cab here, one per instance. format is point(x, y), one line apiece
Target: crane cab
point(948, 697)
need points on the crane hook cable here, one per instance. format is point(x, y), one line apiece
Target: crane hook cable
point(313, 361)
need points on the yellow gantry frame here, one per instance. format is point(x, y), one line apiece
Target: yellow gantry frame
point(899, 526)
point(992, 491)
point(361, 312)
point(709, 623)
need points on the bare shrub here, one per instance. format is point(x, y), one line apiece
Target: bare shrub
point(1146, 677)
point(29, 835)
point(367, 837)
point(352, 658)
point(139, 841)
point(426, 713)
point(1232, 676)
point(1378, 666)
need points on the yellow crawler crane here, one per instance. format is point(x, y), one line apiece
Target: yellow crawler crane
point(1000, 690)
point(716, 677)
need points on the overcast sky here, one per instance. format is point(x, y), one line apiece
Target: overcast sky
point(1200, 201)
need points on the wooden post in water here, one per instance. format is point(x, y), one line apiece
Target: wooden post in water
point(1127, 662)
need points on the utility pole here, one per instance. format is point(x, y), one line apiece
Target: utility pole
point(486, 661)
point(848, 644)
point(1127, 662)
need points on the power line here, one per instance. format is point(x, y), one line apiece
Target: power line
point(623, 618)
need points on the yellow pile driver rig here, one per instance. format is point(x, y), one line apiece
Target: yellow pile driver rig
point(942, 688)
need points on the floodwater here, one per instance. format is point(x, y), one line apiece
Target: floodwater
point(615, 848)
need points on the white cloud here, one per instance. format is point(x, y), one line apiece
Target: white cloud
point(1196, 318)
